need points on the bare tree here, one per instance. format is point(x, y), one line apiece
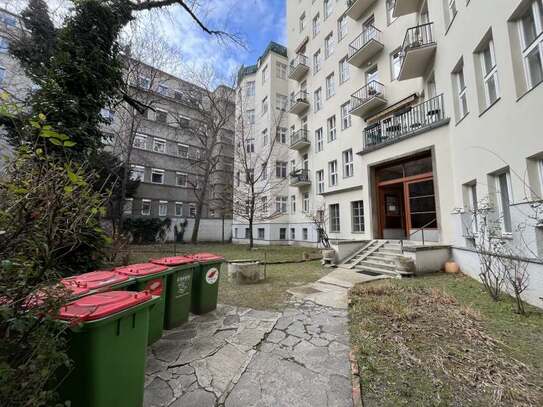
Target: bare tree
point(320, 220)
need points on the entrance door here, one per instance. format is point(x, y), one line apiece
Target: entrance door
point(392, 208)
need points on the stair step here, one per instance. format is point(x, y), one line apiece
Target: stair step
point(379, 270)
point(390, 251)
point(382, 259)
point(378, 264)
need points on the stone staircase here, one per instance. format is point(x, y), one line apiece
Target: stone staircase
point(379, 257)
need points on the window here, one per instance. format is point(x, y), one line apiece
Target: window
point(251, 116)
point(302, 22)
point(343, 70)
point(162, 208)
point(236, 233)
point(305, 202)
point(331, 128)
point(317, 61)
point(265, 137)
point(330, 86)
point(357, 211)
point(161, 116)
point(249, 176)
point(490, 73)
point(157, 176)
point(319, 140)
point(250, 88)
point(304, 234)
point(461, 96)
point(341, 27)
point(282, 233)
point(128, 205)
point(503, 198)
point(181, 179)
point(264, 204)
point(179, 209)
point(452, 10)
point(8, 20)
point(281, 135)
point(334, 218)
point(329, 45)
point(182, 150)
point(250, 145)
point(320, 181)
point(317, 100)
point(316, 25)
point(281, 204)
point(471, 205)
point(345, 116)
point(265, 74)
point(265, 105)
point(192, 211)
point(281, 70)
point(264, 171)
point(4, 45)
point(159, 145)
point(293, 204)
point(390, 11)
point(332, 171)
point(292, 234)
point(163, 90)
point(281, 102)
point(143, 82)
point(327, 6)
point(281, 169)
point(347, 163)
point(146, 207)
point(531, 29)
point(260, 233)
point(139, 141)
point(395, 63)
point(137, 173)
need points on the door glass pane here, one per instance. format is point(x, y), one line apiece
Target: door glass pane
point(390, 173)
point(422, 205)
point(420, 166)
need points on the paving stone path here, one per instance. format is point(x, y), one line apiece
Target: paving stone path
point(239, 357)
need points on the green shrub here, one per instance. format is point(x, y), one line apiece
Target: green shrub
point(147, 230)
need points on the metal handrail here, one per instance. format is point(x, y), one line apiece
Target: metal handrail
point(301, 96)
point(368, 33)
point(299, 59)
point(300, 175)
point(418, 36)
point(365, 93)
point(421, 229)
point(299, 135)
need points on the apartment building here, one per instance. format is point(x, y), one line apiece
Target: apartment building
point(413, 112)
point(165, 144)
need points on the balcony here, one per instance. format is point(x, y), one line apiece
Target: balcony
point(406, 122)
point(300, 178)
point(299, 103)
point(367, 99)
point(405, 7)
point(418, 51)
point(299, 67)
point(365, 46)
point(356, 8)
point(299, 139)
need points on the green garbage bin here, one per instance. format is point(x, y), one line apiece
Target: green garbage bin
point(107, 342)
point(153, 278)
point(205, 282)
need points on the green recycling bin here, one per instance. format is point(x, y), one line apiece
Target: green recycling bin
point(107, 342)
point(178, 289)
point(153, 278)
point(205, 282)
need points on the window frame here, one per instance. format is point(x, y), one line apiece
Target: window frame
point(320, 181)
point(161, 205)
point(348, 166)
point(335, 219)
point(537, 43)
point(178, 205)
point(346, 121)
point(317, 100)
point(333, 176)
point(329, 45)
point(331, 131)
point(148, 212)
point(155, 171)
point(159, 142)
point(177, 174)
point(141, 169)
point(142, 137)
point(491, 74)
point(357, 217)
point(330, 82)
point(504, 211)
point(319, 140)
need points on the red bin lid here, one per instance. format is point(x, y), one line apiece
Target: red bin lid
point(206, 256)
point(140, 269)
point(173, 261)
point(94, 279)
point(36, 298)
point(101, 305)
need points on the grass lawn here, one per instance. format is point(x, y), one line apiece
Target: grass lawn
point(270, 294)
point(440, 340)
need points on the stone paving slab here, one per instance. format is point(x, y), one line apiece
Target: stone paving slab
point(239, 357)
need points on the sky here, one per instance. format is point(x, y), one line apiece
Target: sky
point(255, 22)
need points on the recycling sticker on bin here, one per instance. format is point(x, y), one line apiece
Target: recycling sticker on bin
point(212, 275)
point(183, 284)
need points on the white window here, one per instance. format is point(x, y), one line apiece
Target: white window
point(163, 90)
point(305, 202)
point(503, 198)
point(329, 45)
point(159, 145)
point(192, 210)
point(343, 70)
point(327, 6)
point(292, 234)
point(282, 233)
point(302, 22)
point(281, 204)
point(390, 10)
point(179, 209)
point(137, 173)
point(182, 150)
point(181, 179)
point(251, 116)
point(265, 137)
point(357, 211)
point(8, 20)
point(330, 86)
point(320, 181)
point(341, 27)
point(260, 232)
point(461, 91)
point(281, 102)
point(146, 207)
point(265, 105)
point(490, 73)
point(162, 208)
point(334, 218)
point(264, 171)
point(452, 10)
point(250, 145)
point(157, 176)
point(128, 206)
point(281, 135)
point(345, 116)
point(396, 63)
point(161, 116)
point(264, 204)
point(332, 171)
point(319, 140)
point(331, 128)
point(317, 100)
point(250, 88)
point(107, 114)
point(531, 28)
point(304, 234)
point(347, 163)
point(144, 82)
point(281, 169)
point(265, 74)
point(317, 61)
point(316, 25)
point(293, 203)
point(139, 141)
point(281, 70)
point(472, 205)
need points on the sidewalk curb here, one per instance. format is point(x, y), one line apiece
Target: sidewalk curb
point(355, 380)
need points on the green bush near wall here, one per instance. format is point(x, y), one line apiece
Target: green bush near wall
point(147, 230)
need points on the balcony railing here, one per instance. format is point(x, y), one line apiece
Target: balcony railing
point(418, 50)
point(298, 67)
point(299, 137)
point(363, 95)
point(299, 102)
point(418, 36)
point(300, 177)
point(405, 122)
point(369, 33)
